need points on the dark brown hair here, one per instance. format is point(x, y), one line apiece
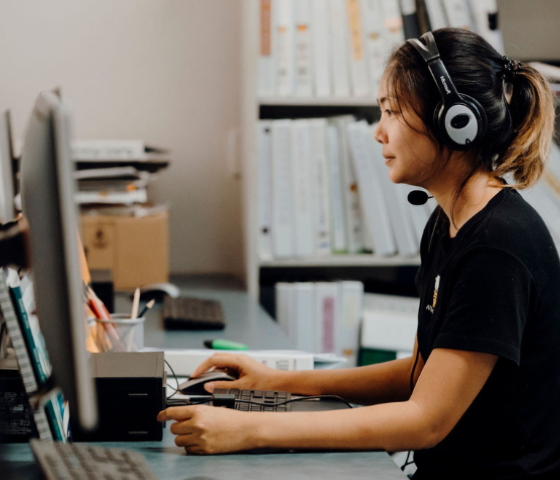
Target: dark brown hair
point(519, 134)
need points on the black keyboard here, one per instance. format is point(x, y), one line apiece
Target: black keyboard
point(64, 461)
point(265, 397)
point(184, 313)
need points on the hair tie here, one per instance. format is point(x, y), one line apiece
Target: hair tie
point(510, 68)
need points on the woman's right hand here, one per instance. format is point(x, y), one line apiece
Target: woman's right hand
point(252, 375)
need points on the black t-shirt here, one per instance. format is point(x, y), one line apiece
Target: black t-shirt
point(495, 288)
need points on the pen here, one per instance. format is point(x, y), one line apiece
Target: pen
point(149, 305)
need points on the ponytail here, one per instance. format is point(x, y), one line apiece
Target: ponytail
point(532, 118)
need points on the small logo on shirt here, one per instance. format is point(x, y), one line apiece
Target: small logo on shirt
point(436, 288)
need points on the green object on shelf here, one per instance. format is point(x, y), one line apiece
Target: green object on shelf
point(370, 356)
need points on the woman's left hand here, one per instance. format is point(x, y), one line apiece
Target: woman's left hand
point(209, 430)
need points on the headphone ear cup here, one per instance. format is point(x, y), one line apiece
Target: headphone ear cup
point(480, 115)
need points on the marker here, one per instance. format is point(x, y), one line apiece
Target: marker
point(220, 344)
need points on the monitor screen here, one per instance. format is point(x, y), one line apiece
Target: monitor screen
point(47, 194)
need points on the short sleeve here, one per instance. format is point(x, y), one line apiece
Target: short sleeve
point(489, 304)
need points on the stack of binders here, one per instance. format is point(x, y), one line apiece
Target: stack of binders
point(338, 48)
point(324, 189)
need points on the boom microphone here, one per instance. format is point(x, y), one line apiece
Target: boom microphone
point(418, 197)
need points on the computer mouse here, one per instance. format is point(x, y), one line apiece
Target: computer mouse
point(195, 386)
point(158, 290)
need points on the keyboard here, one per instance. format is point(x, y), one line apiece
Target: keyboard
point(267, 397)
point(185, 313)
point(64, 461)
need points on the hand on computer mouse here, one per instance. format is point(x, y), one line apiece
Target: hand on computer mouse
point(251, 373)
point(204, 430)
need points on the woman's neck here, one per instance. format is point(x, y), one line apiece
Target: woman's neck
point(474, 196)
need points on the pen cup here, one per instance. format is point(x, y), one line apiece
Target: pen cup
point(120, 334)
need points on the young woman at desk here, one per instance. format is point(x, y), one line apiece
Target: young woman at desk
point(480, 397)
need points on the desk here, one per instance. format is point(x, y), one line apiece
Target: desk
point(246, 322)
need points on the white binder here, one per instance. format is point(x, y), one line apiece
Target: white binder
point(339, 48)
point(457, 13)
point(267, 47)
point(283, 305)
point(320, 187)
point(372, 196)
point(302, 49)
point(302, 188)
point(339, 243)
point(320, 47)
point(282, 214)
point(376, 46)
point(285, 47)
point(351, 296)
point(327, 310)
point(436, 14)
point(354, 226)
point(393, 23)
point(356, 50)
point(303, 316)
point(264, 135)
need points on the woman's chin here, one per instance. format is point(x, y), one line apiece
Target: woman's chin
point(395, 175)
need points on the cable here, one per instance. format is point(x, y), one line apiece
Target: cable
point(3, 329)
point(175, 390)
point(229, 399)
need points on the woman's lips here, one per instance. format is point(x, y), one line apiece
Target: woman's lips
point(388, 160)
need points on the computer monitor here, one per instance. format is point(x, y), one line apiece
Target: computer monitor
point(47, 194)
point(7, 211)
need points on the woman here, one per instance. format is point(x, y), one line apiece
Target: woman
point(480, 398)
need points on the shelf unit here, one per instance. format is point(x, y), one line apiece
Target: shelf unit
point(253, 108)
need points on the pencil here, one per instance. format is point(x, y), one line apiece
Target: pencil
point(135, 304)
point(149, 305)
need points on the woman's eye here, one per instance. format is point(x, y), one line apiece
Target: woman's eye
point(389, 112)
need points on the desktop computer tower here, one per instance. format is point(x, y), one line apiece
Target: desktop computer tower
point(131, 391)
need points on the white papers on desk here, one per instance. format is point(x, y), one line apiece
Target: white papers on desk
point(185, 361)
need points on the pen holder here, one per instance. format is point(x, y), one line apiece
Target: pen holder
point(120, 334)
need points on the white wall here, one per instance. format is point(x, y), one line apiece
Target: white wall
point(166, 71)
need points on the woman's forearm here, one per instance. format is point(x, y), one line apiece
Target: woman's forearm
point(391, 427)
point(373, 384)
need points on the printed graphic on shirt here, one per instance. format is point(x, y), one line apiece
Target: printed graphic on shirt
point(436, 288)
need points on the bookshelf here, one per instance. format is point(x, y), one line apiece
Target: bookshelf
point(318, 101)
point(254, 108)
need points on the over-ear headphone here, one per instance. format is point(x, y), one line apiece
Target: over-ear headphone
point(459, 120)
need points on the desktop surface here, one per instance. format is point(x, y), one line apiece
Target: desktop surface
point(169, 462)
point(246, 323)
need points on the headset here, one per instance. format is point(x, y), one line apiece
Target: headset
point(459, 120)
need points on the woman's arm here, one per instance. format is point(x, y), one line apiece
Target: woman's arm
point(370, 385)
point(386, 382)
point(449, 383)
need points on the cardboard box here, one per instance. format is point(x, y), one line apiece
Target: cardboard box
point(135, 250)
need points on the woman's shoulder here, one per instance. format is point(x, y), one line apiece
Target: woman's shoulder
point(516, 228)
